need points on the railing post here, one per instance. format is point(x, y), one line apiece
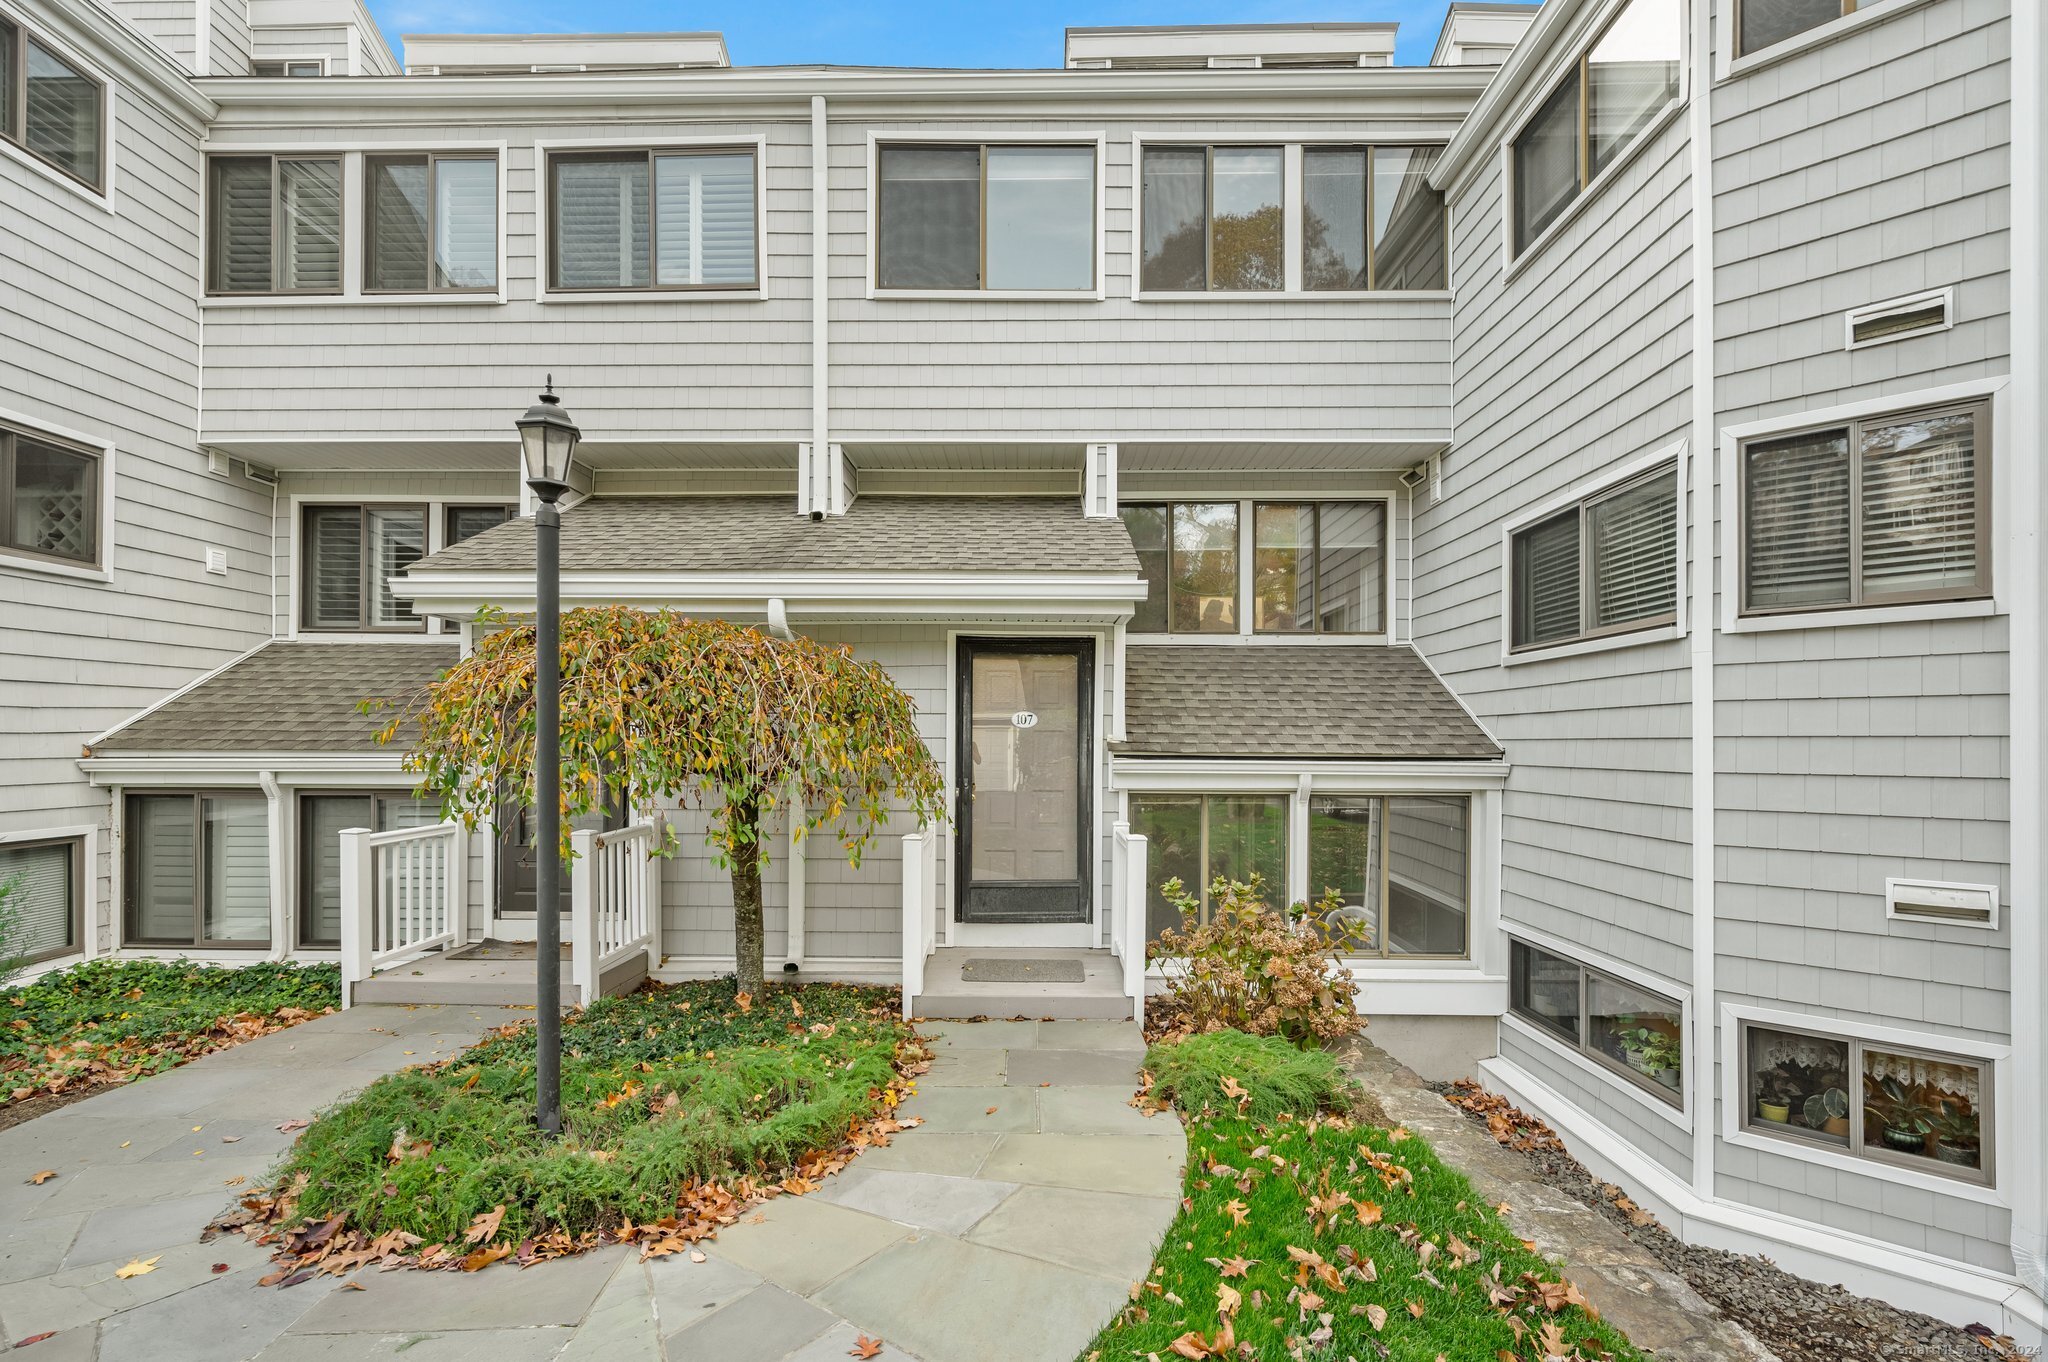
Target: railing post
point(915, 910)
point(654, 913)
point(458, 886)
point(1133, 926)
point(358, 886)
point(583, 933)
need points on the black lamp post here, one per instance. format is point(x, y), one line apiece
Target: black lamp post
point(547, 444)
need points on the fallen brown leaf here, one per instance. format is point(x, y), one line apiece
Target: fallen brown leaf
point(36, 1338)
point(38, 1179)
point(863, 1347)
point(297, 1123)
point(137, 1268)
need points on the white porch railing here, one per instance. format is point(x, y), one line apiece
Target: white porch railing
point(614, 903)
point(920, 909)
point(1127, 906)
point(403, 893)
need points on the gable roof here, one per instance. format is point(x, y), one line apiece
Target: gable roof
point(286, 697)
point(1368, 702)
point(747, 534)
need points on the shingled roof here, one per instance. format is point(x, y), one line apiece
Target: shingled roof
point(764, 534)
point(286, 697)
point(1363, 703)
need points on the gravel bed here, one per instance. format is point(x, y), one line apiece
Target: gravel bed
point(1799, 1320)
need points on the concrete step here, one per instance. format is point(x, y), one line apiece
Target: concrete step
point(398, 988)
point(947, 994)
point(955, 1005)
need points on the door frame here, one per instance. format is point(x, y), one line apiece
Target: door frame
point(1086, 932)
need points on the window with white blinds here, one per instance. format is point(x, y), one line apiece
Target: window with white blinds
point(51, 108)
point(322, 819)
point(653, 220)
point(41, 899)
point(1608, 564)
point(1886, 510)
point(197, 870)
point(432, 224)
point(274, 225)
point(347, 557)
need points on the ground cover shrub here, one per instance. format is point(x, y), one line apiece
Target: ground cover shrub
point(1256, 1077)
point(1254, 968)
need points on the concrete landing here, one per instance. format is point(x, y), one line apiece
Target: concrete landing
point(1099, 995)
point(461, 981)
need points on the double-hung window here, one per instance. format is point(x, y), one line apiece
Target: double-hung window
point(1630, 1030)
point(1607, 564)
point(1615, 90)
point(273, 224)
point(44, 884)
point(49, 498)
point(51, 108)
point(347, 558)
point(1214, 219)
point(197, 869)
point(1370, 220)
point(985, 217)
point(652, 220)
point(432, 224)
point(1884, 510)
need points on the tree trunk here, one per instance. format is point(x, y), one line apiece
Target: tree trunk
point(748, 934)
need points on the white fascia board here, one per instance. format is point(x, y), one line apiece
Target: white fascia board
point(1283, 775)
point(807, 595)
point(1554, 25)
point(185, 769)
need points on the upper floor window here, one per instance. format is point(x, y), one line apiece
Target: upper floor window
point(49, 498)
point(985, 217)
point(1883, 510)
point(467, 522)
point(1613, 93)
point(274, 224)
point(1762, 23)
point(347, 558)
point(1317, 567)
point(1370, 220)
point(1213, 219)
point(1607, 564)
point(642, 219)
point(295, 69)
point(51, 108)
point(432, 223)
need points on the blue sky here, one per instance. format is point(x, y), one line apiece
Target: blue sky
point(892, 32)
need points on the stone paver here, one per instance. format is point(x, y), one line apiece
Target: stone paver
point(1014, 1233)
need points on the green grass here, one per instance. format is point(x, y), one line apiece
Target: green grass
point(1271, 1076)
point(1252, 1192)
point(658, 1089)
point(109, 1021)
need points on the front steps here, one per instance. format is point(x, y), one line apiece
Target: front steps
point(472, 979)
point(1099, 996)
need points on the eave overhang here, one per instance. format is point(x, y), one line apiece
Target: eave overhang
point(170, 770)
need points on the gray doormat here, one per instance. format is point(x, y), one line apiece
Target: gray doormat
point(1022, 972)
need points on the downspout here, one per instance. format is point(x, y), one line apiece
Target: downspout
point(1703, 447)
point(778, 625)
point(814, 494)
point(280, 916)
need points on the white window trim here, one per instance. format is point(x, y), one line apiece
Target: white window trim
point(353, 233)
point(1680, 1115)
point(1677, 451)
point(1513, 264)
point(103, 197)
point(1945, 296)
point(1290, 216)
point(1996, 1060)
point(871, 236)
point(1994, 391)
point(326, 66)
point(1727, 65)
point(47, 567)
point(87, 835)
point(1902, 887)
point(543, 211)
point(1246, 634)
point(436, 630)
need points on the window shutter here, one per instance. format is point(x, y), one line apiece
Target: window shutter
point(241, 224)
point(309, 198)
point(333, 564)
point(1796, 521)
point(1635, 560)
point(466, 223)
point(397, 541)
point(398, 223)
point(1919, 505)
point(1546, 562)
point(601, 222)
point(39, 901)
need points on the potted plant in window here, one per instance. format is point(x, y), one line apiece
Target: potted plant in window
point(1828, 1112)
point(1903, 1116)
point(1958, 1138)
point(1778, 1089)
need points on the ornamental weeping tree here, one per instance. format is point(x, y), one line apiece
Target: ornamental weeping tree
point(710, 714)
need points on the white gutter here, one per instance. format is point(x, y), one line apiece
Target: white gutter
point(778, 625)
point(821, 300)
point(1700, 1058)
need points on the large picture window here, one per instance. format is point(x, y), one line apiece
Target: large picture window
point(1317, 567)
point(50, 108)
point(49, 498)
point(1607, 564)
point(1608, 100)
point(322, 819)
point(1401, 867)
point(1214, 219)
point(197, 870)
point(432, 224)
point(347, 558)
point(1903, 1106)
point(1630, 1030)
point(985, 217)
point(273, 224)
point(1199, 839)
point(42, 897)
point(1884, 510)
point(1369, 219)
point(645, 219)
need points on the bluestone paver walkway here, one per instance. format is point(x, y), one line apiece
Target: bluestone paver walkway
point(1010, 1224)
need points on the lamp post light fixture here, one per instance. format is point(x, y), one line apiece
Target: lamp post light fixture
point(547, 444)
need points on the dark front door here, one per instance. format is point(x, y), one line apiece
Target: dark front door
point(1026, 722)
point(517, 854)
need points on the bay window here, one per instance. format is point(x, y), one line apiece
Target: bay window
point(652, 219)
point(985, 217)
point(1606, 564)
point(273, 224)
point(1627, 1029)
point(45, 897)
point(432, 223)
point(1882, 510)
point(347, 557)
point(49, 498)
point(323, 817)
point(1316, 567)
point(50, 107)
point(197, 870)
